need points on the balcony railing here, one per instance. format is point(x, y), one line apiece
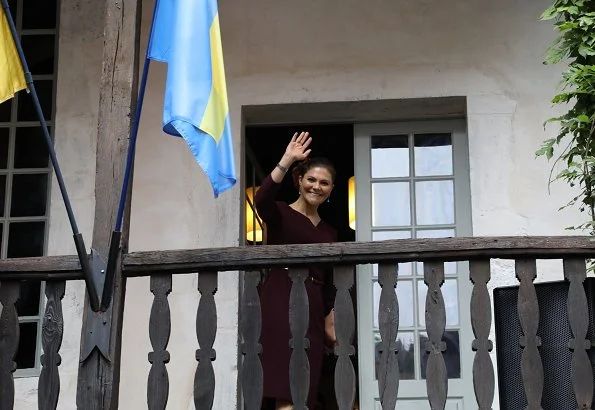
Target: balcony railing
point(343, 257)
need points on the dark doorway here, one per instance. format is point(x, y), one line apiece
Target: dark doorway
point(265, 146)
point(335, 141)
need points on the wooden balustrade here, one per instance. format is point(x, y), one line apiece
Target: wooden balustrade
point(344, 258)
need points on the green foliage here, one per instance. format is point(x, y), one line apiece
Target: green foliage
point(574, 146)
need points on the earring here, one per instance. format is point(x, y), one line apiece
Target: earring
point(328, 200)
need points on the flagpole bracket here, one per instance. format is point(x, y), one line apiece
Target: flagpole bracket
point(97, 333)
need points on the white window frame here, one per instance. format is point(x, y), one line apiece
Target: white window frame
point(463, 227)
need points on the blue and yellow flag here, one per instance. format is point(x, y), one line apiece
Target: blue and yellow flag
point(12, 77)
point(186, 36)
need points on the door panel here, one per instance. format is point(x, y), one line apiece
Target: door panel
point(412, 181)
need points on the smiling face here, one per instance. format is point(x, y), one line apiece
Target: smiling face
point(316, 185)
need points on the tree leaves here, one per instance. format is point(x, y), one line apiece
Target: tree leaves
point(575, 46)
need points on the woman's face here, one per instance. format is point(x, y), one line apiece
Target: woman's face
point(316, 185)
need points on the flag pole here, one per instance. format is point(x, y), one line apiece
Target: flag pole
point(114, 247)
point(78, 237)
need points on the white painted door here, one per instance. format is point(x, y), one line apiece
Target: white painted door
point(412, 181)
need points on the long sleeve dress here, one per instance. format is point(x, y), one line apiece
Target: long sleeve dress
point(288, 226)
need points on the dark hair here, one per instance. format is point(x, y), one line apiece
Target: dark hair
point(302, 167)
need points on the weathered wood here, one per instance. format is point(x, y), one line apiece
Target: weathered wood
point(206, 330)
point(251, 326)
point(436, 374)
point(299, 317)
point(9, 342)
point(51, 340)
point(528, 308)
point(41, 268)
point(159, 332)
point(388, 324)
point(578, 317)
point(258, 257)
point(481, 321)
point(99, 377)
point(344, 331)
point(345, 253)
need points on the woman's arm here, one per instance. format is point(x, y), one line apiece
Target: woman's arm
point(296, 151)
point(264, 199)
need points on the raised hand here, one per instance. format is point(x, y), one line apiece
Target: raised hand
point(297, 149)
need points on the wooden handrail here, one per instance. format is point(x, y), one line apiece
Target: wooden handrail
point(258, 257)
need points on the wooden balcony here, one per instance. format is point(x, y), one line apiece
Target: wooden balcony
point(343, 257)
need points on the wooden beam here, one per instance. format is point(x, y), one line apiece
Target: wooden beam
point(401, 250)
point(255, 257)
point(99, 376)
point(41, 268)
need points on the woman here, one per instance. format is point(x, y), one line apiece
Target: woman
point(298, 222)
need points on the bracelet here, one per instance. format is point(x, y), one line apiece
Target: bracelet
point(282, 168)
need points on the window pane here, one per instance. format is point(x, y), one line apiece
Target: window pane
point(29, 193)
point(434, 202)
point(27, 351)
point(39, 52)
point(2, 194)
point(390, 204)
point(450, 268)
point(30, 150)
point(433, 154)
point(451, 301)
point(40, 14)
point(28, 303)
point(452, 354)
point(404, 268)
point(26, 110)
point(404, 296)
point(5, 110)
point(25, 239)
point(390, 156)
point(3, 148)
point(406, 354)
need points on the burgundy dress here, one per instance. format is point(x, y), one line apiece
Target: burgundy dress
point(288, 226)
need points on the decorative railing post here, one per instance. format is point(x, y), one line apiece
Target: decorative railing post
point(206, 330)
point(251, 326)
point(159, 332)
point(578, 317)
point(481, 321)
point(388, 324)
point(51, 339)
point(528, 308)
point(344, 331)
point(9, 341)
point(436, 374)
point(299, 318)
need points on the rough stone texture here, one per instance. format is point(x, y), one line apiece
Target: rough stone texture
point(312, 51)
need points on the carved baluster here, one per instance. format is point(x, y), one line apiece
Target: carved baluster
point(299, 317)
point(481, 321)
point(436, 375)
point(344, 331)
point(206, 330)
point(51, 340)
point(9, 342)
point(528, 308)
point(388, 324)
point(159, 332)
point(578, 316)
point(251, 326)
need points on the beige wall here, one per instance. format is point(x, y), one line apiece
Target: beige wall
point(311, 51)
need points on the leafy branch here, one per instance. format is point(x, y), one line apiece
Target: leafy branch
point(575, 46)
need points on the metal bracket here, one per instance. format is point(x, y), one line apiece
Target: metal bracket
point(97, 333)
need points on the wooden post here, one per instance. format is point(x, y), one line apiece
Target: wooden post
point(99, 371)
